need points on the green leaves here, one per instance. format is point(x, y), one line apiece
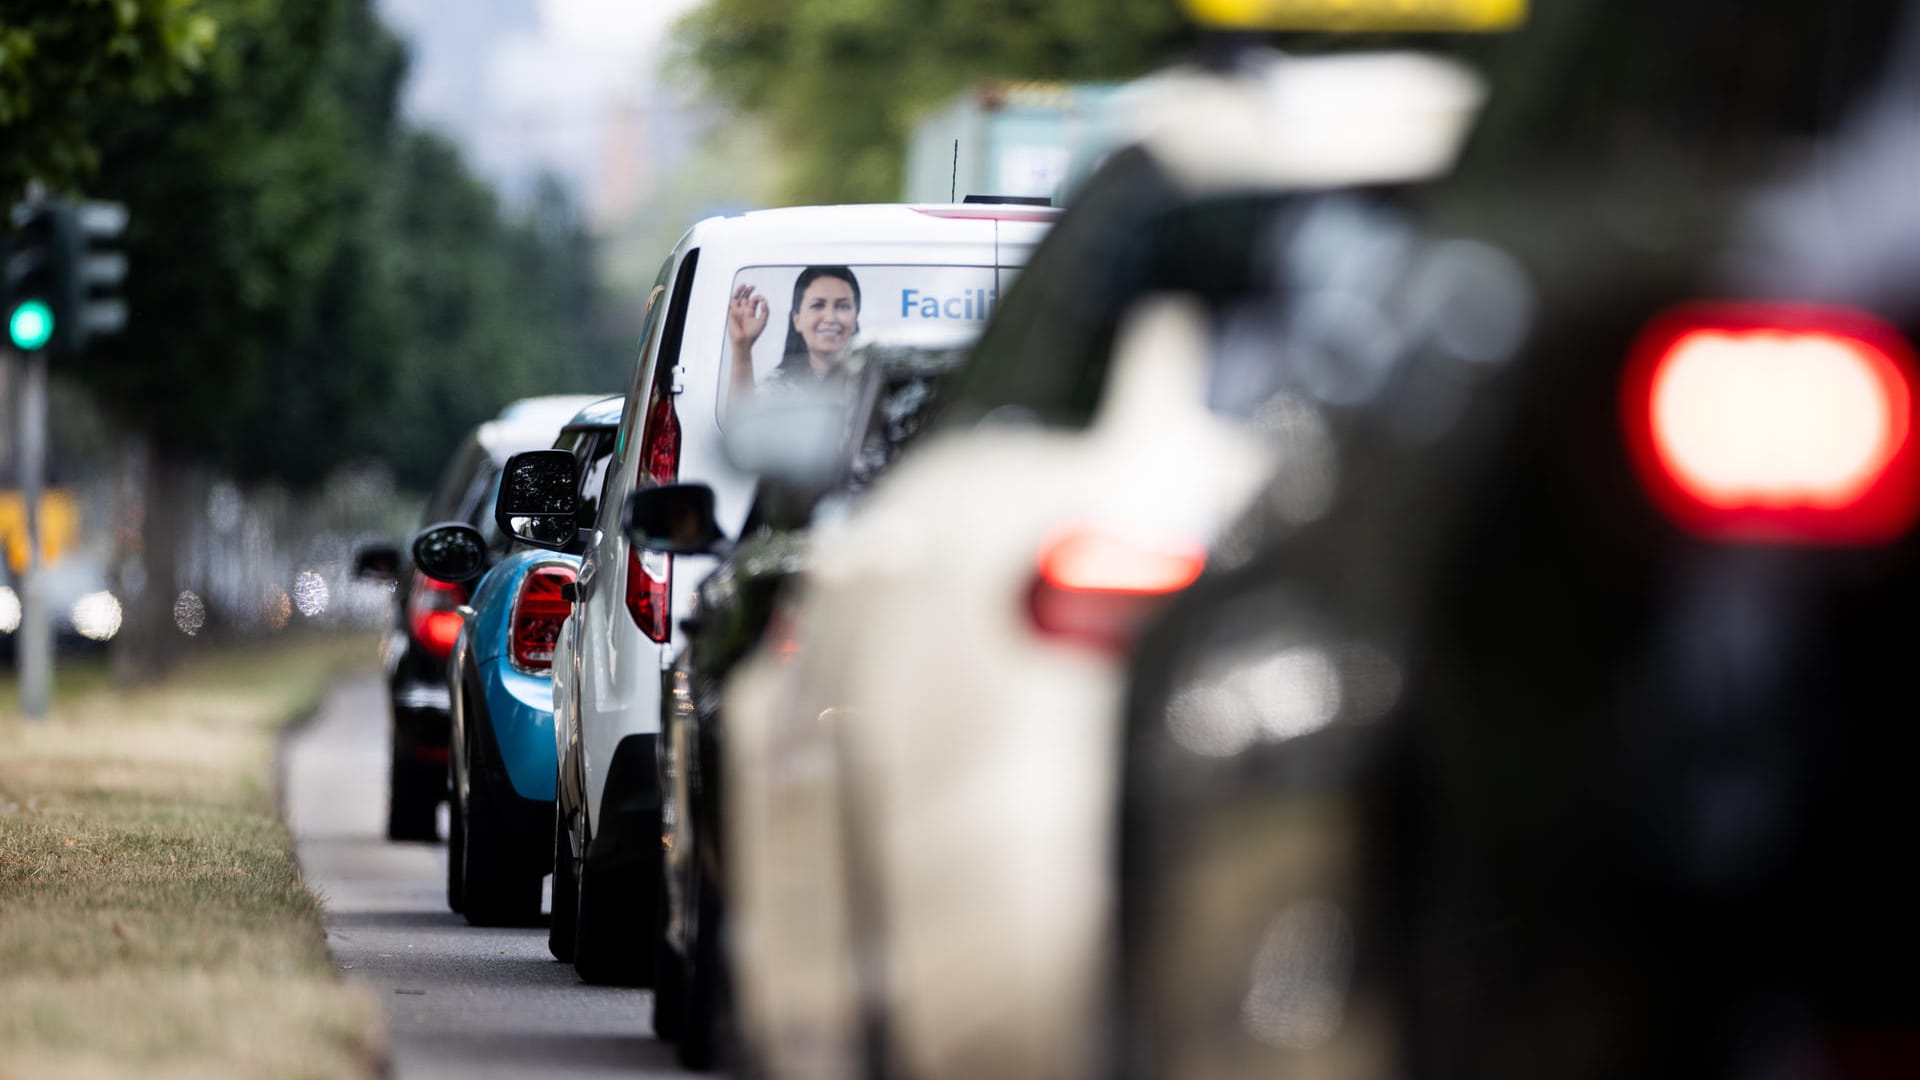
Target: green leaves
point(840, 83)
point(313, 284)
point(67, 64)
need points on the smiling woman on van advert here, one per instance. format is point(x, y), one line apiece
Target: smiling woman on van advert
point(824, 319)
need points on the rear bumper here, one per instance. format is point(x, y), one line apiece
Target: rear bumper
point(422, 721)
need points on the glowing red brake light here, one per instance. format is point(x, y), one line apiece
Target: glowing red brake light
point(534, 625)
point(431, 615)
point(650, 574)
point(1096, 587)
point(1776, 423)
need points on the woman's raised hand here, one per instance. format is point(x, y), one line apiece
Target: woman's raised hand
point(746, 317)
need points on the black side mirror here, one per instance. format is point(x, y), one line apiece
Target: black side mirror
point(451, 551)
point(675, 519)
point(378, 563)
point(539, 498)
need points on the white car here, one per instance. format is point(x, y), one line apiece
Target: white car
point(921, 770)
point(773, 295)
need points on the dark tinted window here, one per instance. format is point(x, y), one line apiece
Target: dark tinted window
point(455, 482)
point(1047, 354)
point(593, 451)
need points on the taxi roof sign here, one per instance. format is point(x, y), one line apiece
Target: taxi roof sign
point(1358, 15)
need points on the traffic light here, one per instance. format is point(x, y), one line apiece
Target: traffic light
point(32, 287)
point(63, 275)
point(95, 269)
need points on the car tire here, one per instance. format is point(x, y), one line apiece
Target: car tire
point(613, 921)
point(413, 798)
point(708, 1008)
point(494, 892)
point(670, 981)
point(456, 853)
point(566, 891)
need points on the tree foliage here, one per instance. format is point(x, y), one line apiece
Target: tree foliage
point(312, 282)
point(63, 62)
point(840, 83)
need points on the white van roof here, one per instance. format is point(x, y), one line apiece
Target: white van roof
point(882, 223)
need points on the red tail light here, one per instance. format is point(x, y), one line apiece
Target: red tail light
point(649, 574)
point(1097, 587)
point(431, 615)
point(534, 625)
point(1776, 423)
point(782, 635)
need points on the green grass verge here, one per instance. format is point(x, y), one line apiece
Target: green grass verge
point(152, 918)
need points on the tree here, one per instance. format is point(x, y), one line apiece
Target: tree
point(840, 83)
point(67, 63)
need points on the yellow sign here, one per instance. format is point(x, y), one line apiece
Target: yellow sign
point(59, 526)
point(1358, 15)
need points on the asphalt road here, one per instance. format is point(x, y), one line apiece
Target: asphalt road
point(460, 1001)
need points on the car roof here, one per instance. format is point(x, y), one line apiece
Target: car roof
point(901, 223)
point(602, 413)
point(556, 409)
point(502, 439)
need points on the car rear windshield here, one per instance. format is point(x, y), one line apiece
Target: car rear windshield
point(799, 323)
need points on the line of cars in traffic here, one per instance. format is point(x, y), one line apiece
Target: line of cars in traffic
point(1411, 580)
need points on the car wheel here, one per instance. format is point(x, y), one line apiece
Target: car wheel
point(413, 797)
point(566, 891)
point(495, 892)
point(709, 989)
point(670, 980)
point(456, 852)
point(613, 921)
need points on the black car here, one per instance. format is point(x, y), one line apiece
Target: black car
point(1573, 736)
point(737, 604)
point(426, 617)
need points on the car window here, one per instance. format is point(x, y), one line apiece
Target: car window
point(1047, 356)
point(482, 514)
point(803, 322)
point(455, 480)
point(593, 451)
point(476, 502)
point(904, 389)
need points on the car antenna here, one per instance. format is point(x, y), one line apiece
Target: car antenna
point(953, 186)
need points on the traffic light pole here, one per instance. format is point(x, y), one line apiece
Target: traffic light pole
point(33, 645)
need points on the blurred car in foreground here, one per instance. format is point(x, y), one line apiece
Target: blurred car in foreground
point(720, 329)
point(813, 455)
point(1572, 736)
point(922, 792)
point(426, 618)
point(500, 843)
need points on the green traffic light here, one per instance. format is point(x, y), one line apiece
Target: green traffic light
point(31, 325)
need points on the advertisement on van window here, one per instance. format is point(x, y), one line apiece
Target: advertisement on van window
point(804, 323)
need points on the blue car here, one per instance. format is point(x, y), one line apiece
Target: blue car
point(500, 844)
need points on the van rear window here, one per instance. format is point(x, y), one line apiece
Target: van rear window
point(803, 323)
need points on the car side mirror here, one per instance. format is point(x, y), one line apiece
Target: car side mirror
point(452, 551)
point(539, 498)
point(674, 519)
point(378, 563)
